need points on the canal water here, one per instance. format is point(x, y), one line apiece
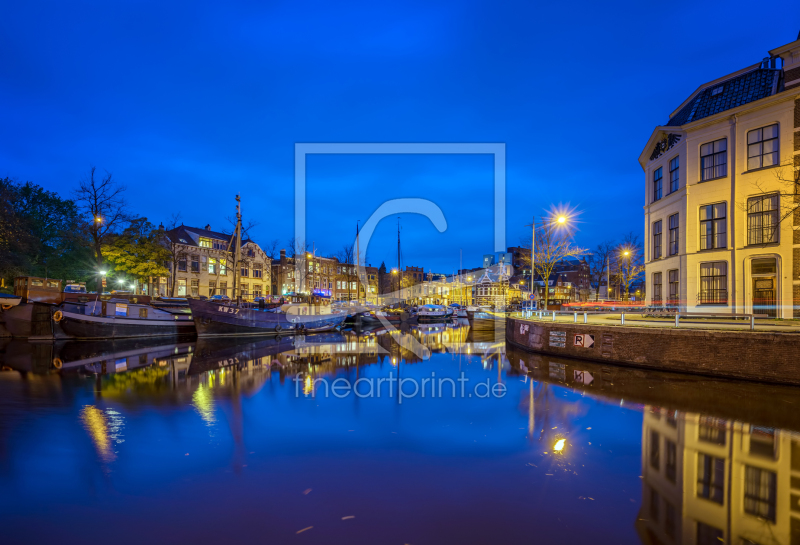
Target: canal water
point(307, 440)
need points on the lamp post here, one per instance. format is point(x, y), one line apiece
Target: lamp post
point(561, 220)
point(394, 273)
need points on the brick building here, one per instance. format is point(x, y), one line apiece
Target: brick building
point(204, 263)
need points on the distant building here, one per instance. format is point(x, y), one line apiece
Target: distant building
point(719, 179)
point(204, 266)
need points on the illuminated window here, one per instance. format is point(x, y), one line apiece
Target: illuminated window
point(713, 230)
point(762, 219)
point(714, 159)
point(205, 242)
point(714, 283)
point(762, 147)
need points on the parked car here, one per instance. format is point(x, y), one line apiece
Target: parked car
point(220, 298)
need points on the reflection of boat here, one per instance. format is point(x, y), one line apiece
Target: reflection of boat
point(211, 354)
point(213, 319)
point(433, 313)
point(458, 310)
point(488, 320)
point(118, 318)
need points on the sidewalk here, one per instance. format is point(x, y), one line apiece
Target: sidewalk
point(637, 320)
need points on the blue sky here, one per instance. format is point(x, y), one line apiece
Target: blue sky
point(188, 103)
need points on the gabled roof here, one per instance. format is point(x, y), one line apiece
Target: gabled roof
point(727, 94)
point(191, 235)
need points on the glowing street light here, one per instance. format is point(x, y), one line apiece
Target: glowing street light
point(98, 219)
point(559, 446)
point(561, 219)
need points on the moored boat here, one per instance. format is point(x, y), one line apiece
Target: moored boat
point(432, 313)
point(212, 319)
point(117, 318)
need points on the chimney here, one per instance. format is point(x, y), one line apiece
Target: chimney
point(208, 227)
point(283, 255)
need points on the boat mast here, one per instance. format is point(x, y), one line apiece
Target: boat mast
point(399, 280)
point(358, 270)
point(237, 256)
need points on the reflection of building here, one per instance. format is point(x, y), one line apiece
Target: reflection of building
point(720, 178)
point(708, 480)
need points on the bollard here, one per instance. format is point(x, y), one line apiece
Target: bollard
point(576, 318)
point(585, 318)
point(752, 323)
point(554, 315)
point(622, 318)
point(677, 319)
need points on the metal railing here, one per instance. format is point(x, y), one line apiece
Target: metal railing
point(551, 314)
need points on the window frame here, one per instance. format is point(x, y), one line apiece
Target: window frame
point(710, 486)
point(658, 183)
point(774, 212)
point(658, 291)
point(715, 165)
point(674, 296)
point(674, 234)
point(776, 151)
point(705, 292)
point(770, 502)
point(657, 231)
point(714, 222)
point(674, 174)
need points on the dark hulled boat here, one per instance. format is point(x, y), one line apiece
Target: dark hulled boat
point(117, 318)
point(216, 318)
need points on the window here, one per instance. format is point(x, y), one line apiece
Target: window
point(673, 234)
point(654, 450)
point(710, 477)
point(222, 268)
point(762, 147)
point(674, 287)
point(657, 179)
point(182, 265)
point(257, 270)
point(714, 159)
point(195, 265)
point(655, 503)
point(212, 265)
point(256, 290)
point(181, 287)
point(245, 271)
point(669, 519)
point(657, 288)
point(714, 283)
point(672, 459)
point(205, 242)
point(762, 219)
point(759, 492)
point(244, 289)
point(713, 231)
point(223, 288)
point(219, 245)
point(711, 430)
point(656, 253)
point(708, 535)
point(762, 441)
point(674, 174)
point(195, 287)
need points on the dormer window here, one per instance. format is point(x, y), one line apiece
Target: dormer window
point(717, 90)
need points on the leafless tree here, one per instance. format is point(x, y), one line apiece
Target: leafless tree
point(628, 262)
point(178, 251)
point(102, 200)
point(272, 249)
point(785, 185)
point(553, 245)
point(598, 263)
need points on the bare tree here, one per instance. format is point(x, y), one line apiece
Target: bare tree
point(785, 187)
point(628, 264)
point(598, 263)
point(177, 251)
point(272, 249)
point(101, 198)
point(346, 268)
point(553, 245)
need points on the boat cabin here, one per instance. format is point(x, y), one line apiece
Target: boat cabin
point(41, 290)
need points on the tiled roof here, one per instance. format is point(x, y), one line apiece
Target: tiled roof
point(725, 95)
point(179, 235)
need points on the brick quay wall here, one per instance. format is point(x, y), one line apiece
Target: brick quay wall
point(763, 357)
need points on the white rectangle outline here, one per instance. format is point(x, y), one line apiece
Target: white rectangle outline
point(497, 150)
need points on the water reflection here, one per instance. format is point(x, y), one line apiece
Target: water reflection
point(715, 466)
point(575, 452)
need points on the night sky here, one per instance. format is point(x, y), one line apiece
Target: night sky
point(188, 103)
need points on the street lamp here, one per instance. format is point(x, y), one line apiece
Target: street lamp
point(561, 219)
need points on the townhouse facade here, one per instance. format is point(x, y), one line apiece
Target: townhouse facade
point(711, 480)
point(203, 266)
point(325, 276)
point(721, 231)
